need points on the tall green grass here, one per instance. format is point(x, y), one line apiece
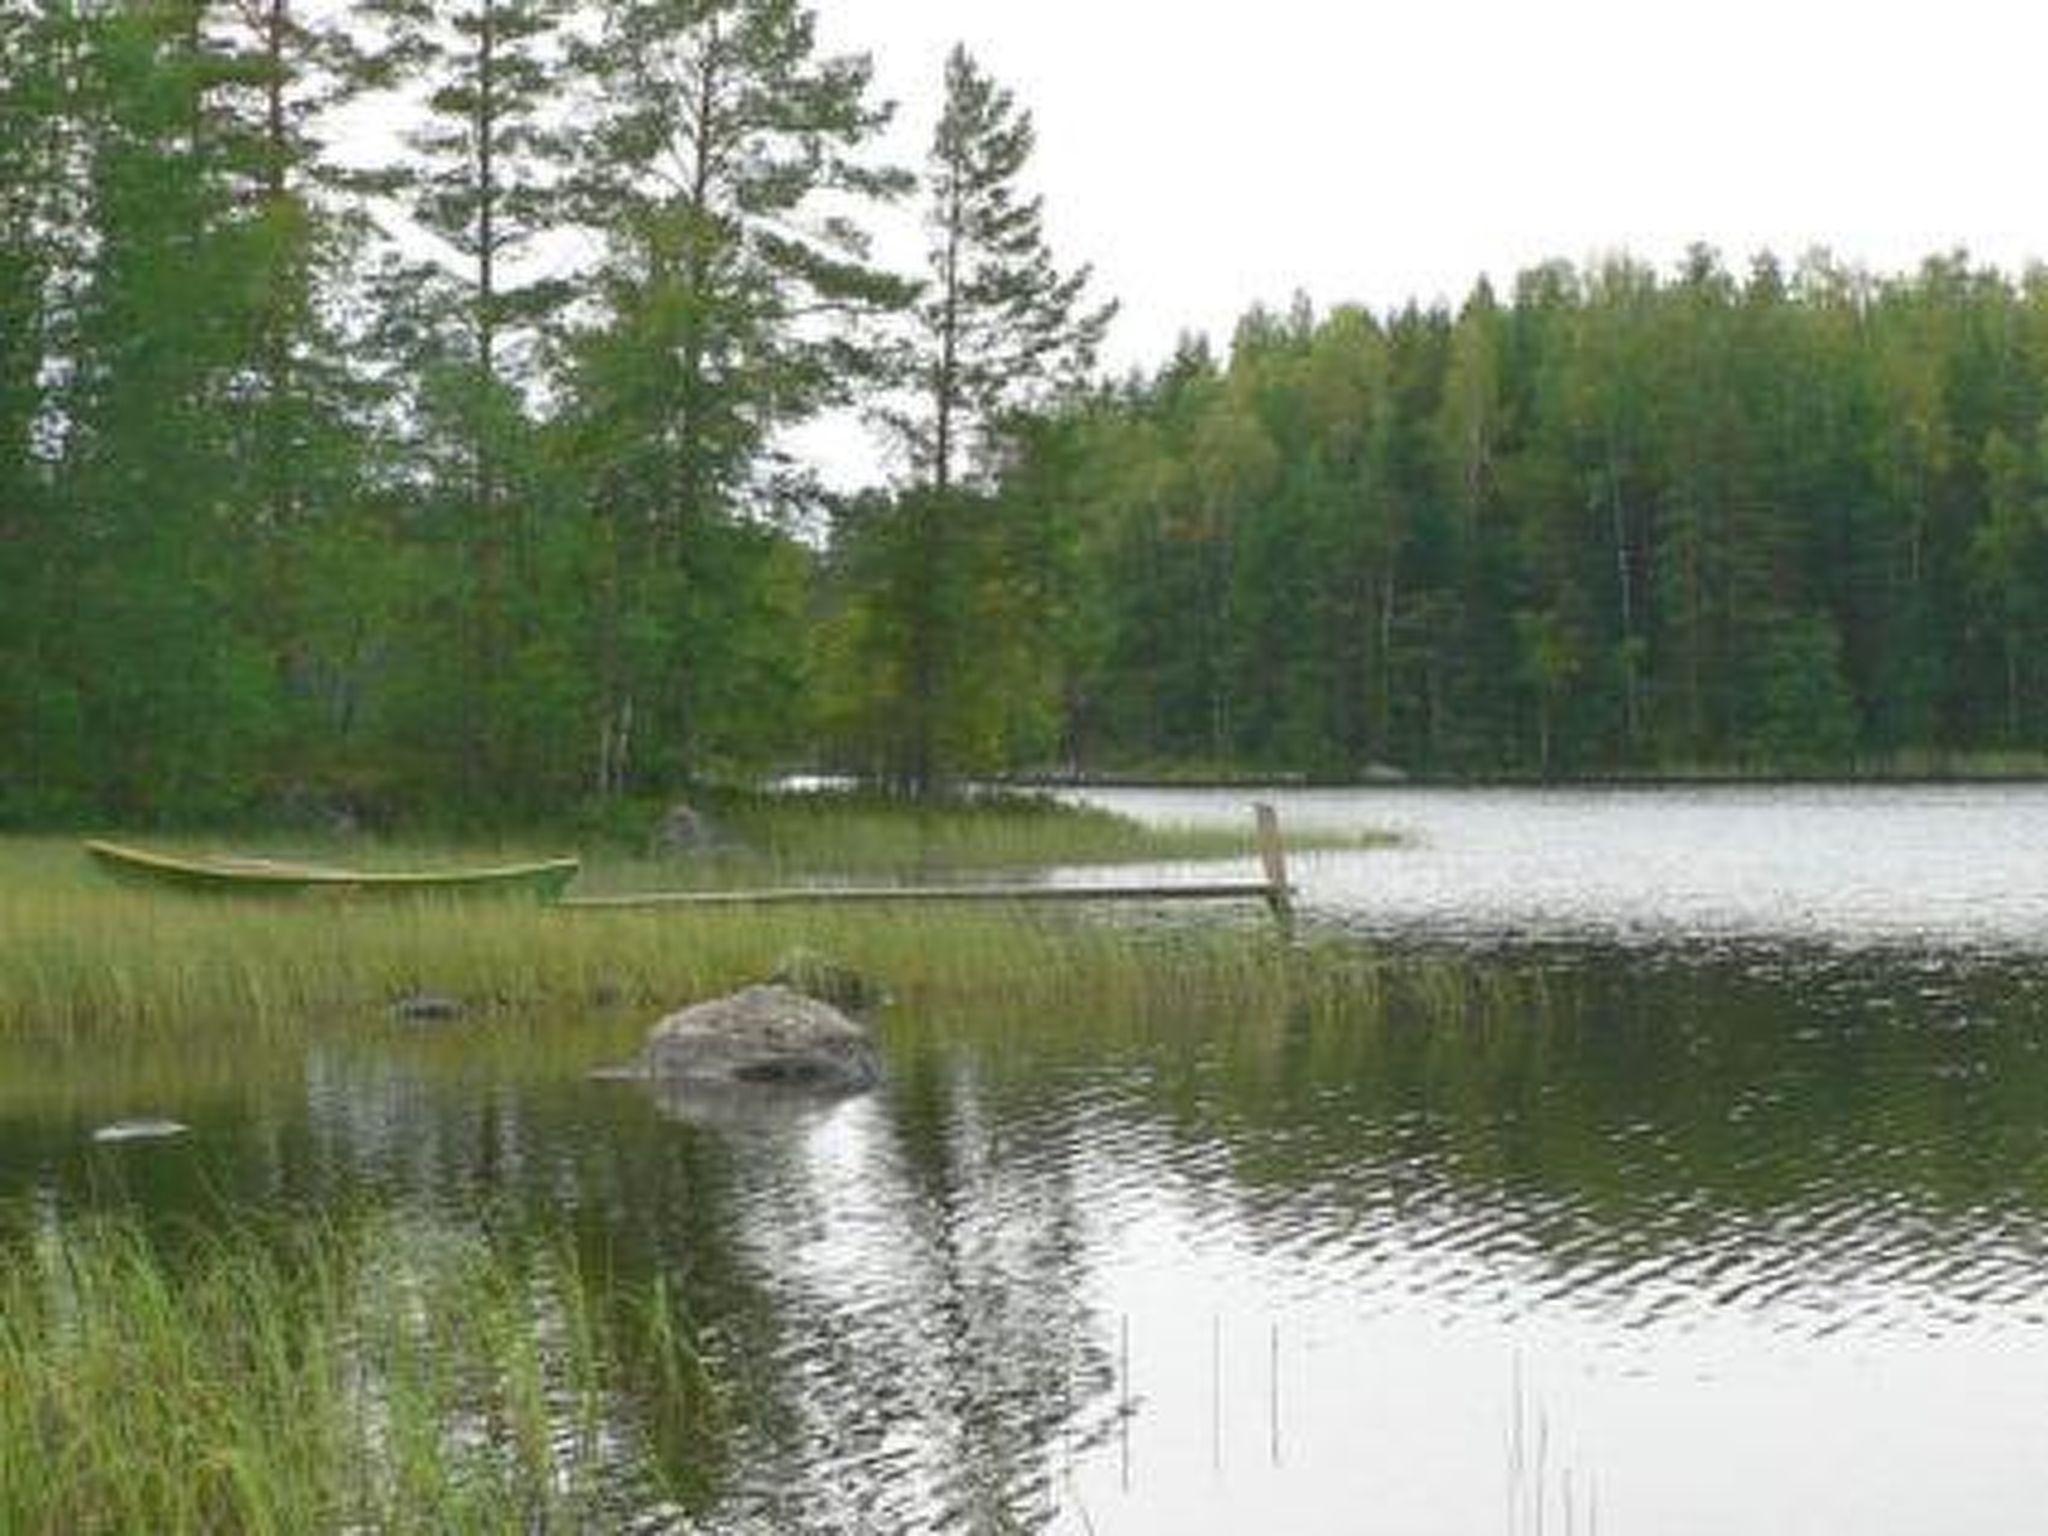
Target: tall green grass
point(84, 957)
point(870, 834)
point(80, 955)
point(753, 836)
point(391, 1378)
point(104, 965)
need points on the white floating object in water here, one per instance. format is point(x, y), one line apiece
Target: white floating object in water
point(140, 1130)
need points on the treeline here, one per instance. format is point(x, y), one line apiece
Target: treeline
point(1620, 521)
point(393, 396)
point(394, 401)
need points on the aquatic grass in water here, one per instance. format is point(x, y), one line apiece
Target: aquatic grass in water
point(395, 1378)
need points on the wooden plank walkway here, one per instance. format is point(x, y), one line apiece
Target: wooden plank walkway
point(1274, 889)
point(773, 896)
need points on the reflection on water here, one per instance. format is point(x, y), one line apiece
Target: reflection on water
point(1572, 1237)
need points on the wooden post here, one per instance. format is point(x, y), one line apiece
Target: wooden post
point(1273, 855)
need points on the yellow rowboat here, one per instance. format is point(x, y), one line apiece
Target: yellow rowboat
point(545, 879)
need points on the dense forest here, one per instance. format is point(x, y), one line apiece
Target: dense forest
point(395, 409)
point(1619, 521)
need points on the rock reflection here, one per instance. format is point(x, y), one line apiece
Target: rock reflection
point(936, 1344)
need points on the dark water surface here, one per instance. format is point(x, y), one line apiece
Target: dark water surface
point(1691, 1174)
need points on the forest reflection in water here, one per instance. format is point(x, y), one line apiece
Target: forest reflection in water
point(1580, 1239)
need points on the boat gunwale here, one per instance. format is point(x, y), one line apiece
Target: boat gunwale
point(232, 871)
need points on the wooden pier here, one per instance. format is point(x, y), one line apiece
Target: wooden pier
point(1274, 889)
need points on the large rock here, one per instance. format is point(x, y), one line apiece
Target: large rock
point(768, 1035)
point(426, 1008)
point(684, 832)
point(301, 805)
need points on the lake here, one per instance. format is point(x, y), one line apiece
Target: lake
point(1688, 1171)
point(1944, 868)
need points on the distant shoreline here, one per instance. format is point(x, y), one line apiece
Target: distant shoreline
point(1646, 780)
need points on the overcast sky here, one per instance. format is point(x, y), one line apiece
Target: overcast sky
point(1207, 156)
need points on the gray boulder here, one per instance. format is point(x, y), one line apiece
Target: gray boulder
point(427, 1008)
point(767, 1035)
point(683, 831)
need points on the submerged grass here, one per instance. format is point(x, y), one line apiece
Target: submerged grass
point(390, 1378)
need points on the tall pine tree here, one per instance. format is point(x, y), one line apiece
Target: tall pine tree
point(483, 180)
point(728, 168)
point(999, 331)
point(1000, 327)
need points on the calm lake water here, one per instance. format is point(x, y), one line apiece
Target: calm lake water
point(1942, 868)
point(1694, 1180)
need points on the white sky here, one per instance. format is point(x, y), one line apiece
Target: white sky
point(1205, 156)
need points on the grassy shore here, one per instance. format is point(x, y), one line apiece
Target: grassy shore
point(87, 961)
point(838, 832)
point(85, 957)
point(753, 836)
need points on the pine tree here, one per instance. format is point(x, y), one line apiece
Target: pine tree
point(303, 416)
point(170, 695)
point(999, 331)
point(1000, 327)
point(727, 165)
point(35, 245)
point(281, 74)
point(483, 180)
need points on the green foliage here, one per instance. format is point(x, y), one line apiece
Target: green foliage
point(1804, 716)
point(931, 658)
point(1624, 522)
point(479, 176)
point(940, 657)
point(497, 516)
point(721, 157)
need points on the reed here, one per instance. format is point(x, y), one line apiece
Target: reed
point(82, 957)
point(101, 966)
point(777, 836)
point(393, 1378)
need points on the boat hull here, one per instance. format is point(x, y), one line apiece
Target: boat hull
point(542, 880)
